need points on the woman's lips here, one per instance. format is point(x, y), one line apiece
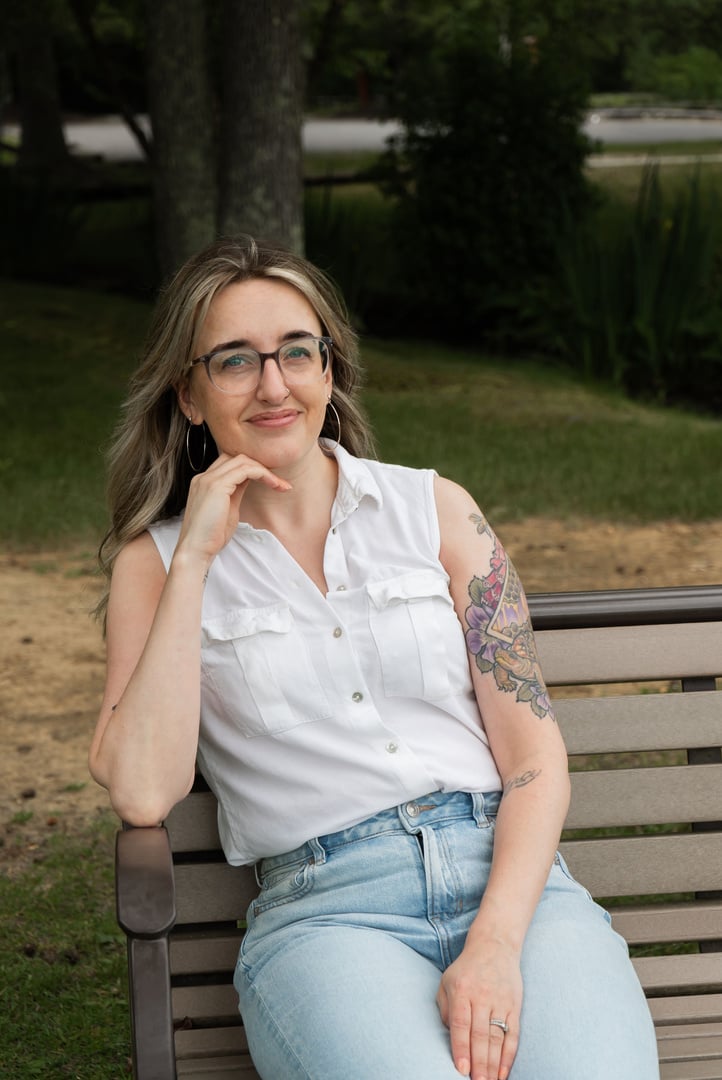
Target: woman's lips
point(274, 419)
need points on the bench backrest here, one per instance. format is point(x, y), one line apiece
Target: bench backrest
point(634, 676)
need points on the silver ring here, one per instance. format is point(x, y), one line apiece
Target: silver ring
point(499, 1023)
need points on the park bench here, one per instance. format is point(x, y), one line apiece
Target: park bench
point(635, 676)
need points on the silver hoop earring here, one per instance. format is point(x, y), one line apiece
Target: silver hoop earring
point(195, 468)
point(330, 449)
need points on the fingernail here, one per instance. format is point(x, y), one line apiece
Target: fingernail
point(464, 1066)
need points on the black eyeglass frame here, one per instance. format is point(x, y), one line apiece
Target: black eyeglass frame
point(206, 360)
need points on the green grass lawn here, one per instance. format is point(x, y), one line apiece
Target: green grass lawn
point(63, 991)
point(525, 439)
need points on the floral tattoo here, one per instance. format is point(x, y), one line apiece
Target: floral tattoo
point(500, 636)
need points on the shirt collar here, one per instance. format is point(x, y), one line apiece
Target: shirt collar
point(355, 482)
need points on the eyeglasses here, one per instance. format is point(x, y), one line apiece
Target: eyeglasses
point(237, 370)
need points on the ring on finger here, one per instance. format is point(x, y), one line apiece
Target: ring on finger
point(500, 1024)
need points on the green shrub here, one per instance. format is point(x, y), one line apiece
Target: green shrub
point(491, 160)
point(637, 301)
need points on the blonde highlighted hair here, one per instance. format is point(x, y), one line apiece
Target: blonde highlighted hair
point(148, 470)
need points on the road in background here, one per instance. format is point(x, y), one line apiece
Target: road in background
point(110, 138)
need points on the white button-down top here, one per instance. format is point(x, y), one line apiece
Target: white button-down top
point(319, 711)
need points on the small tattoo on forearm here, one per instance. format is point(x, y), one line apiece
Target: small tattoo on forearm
point(521, 781)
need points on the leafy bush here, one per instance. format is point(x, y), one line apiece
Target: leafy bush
point(637, 302)
point(693, 75)
point(490, 162)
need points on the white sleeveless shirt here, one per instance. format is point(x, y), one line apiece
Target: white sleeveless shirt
point(319, 711)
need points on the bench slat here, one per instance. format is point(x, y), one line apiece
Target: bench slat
point(207, 1005)
point(681, 974)
point(634, 722)
point(197, 1042)
point(653, 796)
point(213, 892)
point(213, 951)
point(218, 1068)
point(690, 1070)
point(660, 923)
point(193, 825)
point(630, 654)
point(646, 865)
point(687, 1010)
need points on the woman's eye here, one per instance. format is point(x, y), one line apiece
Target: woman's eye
point(298, 352)
point(237, 360)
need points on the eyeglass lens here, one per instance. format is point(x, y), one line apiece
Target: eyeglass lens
point(237, 370)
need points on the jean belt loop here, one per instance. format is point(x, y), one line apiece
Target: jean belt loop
point(318, 852)
point(477, 809)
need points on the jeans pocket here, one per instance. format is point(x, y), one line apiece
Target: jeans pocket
point(282, 886)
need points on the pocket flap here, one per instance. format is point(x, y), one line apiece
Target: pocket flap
point(416, 585)
point(244, 622)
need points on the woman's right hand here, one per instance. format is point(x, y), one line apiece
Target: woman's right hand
point(214, 502)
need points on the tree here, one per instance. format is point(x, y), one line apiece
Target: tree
point(43, 150)
point(261, 177)
point(183, 117)
point(226, 100)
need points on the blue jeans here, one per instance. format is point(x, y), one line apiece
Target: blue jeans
point(338, 972)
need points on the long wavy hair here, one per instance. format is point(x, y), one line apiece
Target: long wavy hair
point(148, 470)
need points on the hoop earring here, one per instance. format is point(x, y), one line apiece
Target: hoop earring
point(330, 449)
point(195, 468)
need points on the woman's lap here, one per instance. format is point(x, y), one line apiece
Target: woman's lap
point(339, 971)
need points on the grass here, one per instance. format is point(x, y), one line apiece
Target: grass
point(63, 991)
point(526, 440)
point(67, 357)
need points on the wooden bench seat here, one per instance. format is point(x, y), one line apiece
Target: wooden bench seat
point(634, 675)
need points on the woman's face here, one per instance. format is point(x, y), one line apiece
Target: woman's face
point(272, 423)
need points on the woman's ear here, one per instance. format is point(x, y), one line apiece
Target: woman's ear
point(185, 402)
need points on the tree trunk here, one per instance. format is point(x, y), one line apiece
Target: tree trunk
point(261, 179)
point(43, 150)
point(182, 113)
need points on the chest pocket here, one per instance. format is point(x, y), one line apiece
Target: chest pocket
point(259, 665)
point(418, 636)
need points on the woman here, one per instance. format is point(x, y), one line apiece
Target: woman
point(345, 650)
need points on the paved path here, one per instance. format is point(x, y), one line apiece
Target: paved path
point(110, 138)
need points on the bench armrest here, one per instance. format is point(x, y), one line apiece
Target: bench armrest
point(144, 888)
point(145, 898)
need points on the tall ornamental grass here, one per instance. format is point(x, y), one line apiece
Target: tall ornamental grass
point(639, 301)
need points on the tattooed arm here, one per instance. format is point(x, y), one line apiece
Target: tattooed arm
point(517, 716)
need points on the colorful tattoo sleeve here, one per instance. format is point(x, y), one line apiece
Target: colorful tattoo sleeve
point(499, 634)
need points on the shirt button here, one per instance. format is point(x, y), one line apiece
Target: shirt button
point(340, 588)
point(391, 747)
point(412, 809)
point(337, 632)
point(333, 530)
point(357, 696)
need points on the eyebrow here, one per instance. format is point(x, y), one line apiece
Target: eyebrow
point(242, 343)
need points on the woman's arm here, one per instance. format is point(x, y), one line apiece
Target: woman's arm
point(485, 982)
point(146, 738)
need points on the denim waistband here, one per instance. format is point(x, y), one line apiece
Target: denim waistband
point(411, 817)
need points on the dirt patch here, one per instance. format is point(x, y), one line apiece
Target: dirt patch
point(52, 672)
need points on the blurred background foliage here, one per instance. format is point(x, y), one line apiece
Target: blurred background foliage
point(481, 224)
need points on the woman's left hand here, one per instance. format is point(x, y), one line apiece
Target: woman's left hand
point(483, 984)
